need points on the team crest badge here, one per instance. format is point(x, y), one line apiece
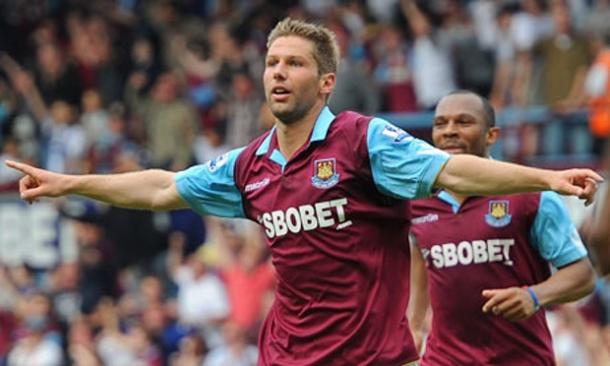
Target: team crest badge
point(325, 173)
point(498, 215)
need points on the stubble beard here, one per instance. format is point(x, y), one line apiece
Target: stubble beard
point(292, 115)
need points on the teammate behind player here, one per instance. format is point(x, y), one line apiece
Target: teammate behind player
point(331, 194)
point(484, 261)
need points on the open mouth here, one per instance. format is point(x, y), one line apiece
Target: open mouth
point(280, 93)
point(453, 149)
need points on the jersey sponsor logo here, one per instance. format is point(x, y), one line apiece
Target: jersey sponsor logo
point(424, 219)
point(257, 185)
point(470, 252)
point(305, 218)
point(498, 215)
point(395, 133)
point(325, 173)
point(216, 163)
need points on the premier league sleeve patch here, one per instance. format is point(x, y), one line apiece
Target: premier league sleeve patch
point(397, 134)
point(498, 215)
point(216, 163)
point(325, 173)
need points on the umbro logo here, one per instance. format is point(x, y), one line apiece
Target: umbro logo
point(424, 219)
point(256, 185)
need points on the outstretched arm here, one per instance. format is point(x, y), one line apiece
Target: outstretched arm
point(149, 189)
point(471, 175)
point(568, 284)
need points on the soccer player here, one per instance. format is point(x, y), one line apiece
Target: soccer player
point(482, 263)
point(330, 192)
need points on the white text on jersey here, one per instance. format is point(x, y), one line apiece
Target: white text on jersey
point(466, 252)
point(305, 218)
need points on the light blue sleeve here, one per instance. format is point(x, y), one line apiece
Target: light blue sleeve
point(553, 233)
point(402, 166)
point(210, 188)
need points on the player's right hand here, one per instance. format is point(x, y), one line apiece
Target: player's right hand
point(582, 183)
point(512, 303)
point(38, 182)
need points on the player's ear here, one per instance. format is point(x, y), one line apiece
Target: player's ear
point(492, 135)
point(327, 83)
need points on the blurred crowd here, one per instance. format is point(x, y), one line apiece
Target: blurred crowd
point(111, 86)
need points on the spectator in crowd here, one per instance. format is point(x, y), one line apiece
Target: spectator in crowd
point(530, 24)
point(563, 60)
point(171, 123)
point(202, 299)
point(596, 23)
point(97, 272)
point(235, 349)
point(210, 143)
point(191, 352)
point(394, 72)
point(39, 343)
point(564, 56)
point(112, 149)
point(63, 139)
point(64, 291)
point(242, 124)
point(94, 118)
point(473, 63)
point(506, 67)
point(55, 77)
point(249, 280)
point(432, 66)
point(355, 89)
point(597, 88)
point(81, 344)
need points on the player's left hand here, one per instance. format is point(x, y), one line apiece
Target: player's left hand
point(513, 303)
point(577, 182)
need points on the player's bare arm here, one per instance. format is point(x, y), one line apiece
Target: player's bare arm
point(149, 189)
point(569, 283)
point(472, 175)
point(419, 301)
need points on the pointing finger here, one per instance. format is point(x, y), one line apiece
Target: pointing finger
point(24, 168)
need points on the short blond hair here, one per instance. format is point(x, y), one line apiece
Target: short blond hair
point(326, 48)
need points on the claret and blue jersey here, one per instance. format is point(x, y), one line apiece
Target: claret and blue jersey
point(336, 219)
point(489, 243)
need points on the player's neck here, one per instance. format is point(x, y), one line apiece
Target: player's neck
point(291, 137)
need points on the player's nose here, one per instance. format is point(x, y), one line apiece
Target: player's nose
point(450, 129)
point(279, 71)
